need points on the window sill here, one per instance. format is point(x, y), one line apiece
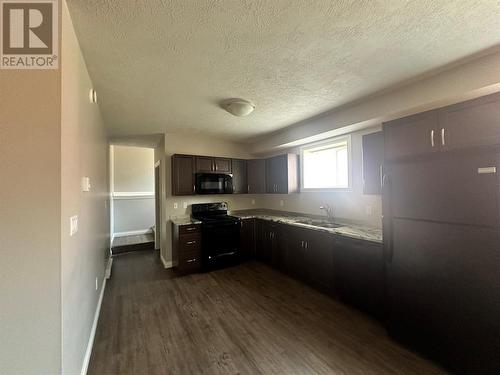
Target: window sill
point(327, 190)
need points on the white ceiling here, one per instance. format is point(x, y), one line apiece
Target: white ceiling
point(161, 65)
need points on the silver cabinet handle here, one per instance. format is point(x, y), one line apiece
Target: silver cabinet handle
point(306, 244)
point(432, 138)
point(191, 260)
point(301, 243)
point(443, 142)
point(191, 242)
point(191, 228)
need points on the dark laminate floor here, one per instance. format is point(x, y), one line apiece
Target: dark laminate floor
point(247, 319)
point(137, 242)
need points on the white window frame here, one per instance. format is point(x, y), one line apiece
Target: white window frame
point(332, 141)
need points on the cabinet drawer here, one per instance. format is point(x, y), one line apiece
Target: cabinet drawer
point(188, 229)
point(189, 242)
point(190, 260)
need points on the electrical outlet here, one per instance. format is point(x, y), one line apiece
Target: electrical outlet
point(176, 206)
point(73, 225)
point(253, 201)
point(368, 210)
point(96, 283)
point(282, 203)
point(184, 205)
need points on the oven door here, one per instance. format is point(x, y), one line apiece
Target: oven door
point(214, 183)
point(221, 242)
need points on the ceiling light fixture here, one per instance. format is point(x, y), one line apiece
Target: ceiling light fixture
point(238, 107)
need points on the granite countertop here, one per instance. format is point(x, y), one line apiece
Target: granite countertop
point(184, 220)
point(348, 229)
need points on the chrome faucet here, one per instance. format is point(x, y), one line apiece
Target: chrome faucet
point(329, 212)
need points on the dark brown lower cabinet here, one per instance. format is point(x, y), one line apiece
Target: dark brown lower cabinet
point(247, 239)
point(186, 248)
point(351, 268)
point(270, 243)
point(359, 274)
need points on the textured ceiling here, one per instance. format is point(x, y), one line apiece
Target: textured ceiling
point(162, 65)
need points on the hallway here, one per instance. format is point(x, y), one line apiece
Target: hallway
point(247, 319)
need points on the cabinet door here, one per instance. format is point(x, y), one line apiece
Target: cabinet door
point(204, 164)
point(359, 273)
point(183, 174)
point(411, 136)
point(296, 263)
point(240, 185)
point(448, 188)
point(247, 239)
point(277, 174)
point(443, 289)
point(472, 123)
point(222, 165)
point(263, 250)
point(373, 159)
point(256, 173)
point(319, 258)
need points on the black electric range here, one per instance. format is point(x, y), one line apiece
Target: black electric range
point(220, 241)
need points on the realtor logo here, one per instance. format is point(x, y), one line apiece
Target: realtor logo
point(29, 33)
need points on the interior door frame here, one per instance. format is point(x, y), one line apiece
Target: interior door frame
point(157, 176)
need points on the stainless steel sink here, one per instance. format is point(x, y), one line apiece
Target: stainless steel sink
point(319, 223)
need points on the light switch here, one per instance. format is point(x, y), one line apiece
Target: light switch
point(176, 206)
point(282, 203)
point(184, 205)
point(253, 201)
point(368, 210)
point(86, 184)
point(73, 225)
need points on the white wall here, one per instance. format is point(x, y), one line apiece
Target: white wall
point(133, 172)
point(83, 153)
point(30, 224)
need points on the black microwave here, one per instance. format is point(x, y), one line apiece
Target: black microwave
point(214, 183)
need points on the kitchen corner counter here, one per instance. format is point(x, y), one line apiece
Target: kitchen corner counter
point(352, 230)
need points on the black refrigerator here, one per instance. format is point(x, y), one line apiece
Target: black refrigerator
point(442, 247)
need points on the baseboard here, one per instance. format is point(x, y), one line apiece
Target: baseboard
point(108, 267)
point(132, 233)
point(88, 353)
point(165, 263)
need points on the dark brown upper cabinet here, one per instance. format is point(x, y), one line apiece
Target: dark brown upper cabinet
point(240, 184)
point(412, 135)
point(282, 174)
point(183, 167)
point(256, 174)
point(468, 124)
point(208, 164)
point(373, 159)
point(204, 164)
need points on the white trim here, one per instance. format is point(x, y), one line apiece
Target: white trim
point(132, 233)
point(165, 263)
point(109, 266)
point(345, 138)
point(90, 345)
point(134, 195)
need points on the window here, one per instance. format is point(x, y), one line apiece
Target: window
point(325, 165)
